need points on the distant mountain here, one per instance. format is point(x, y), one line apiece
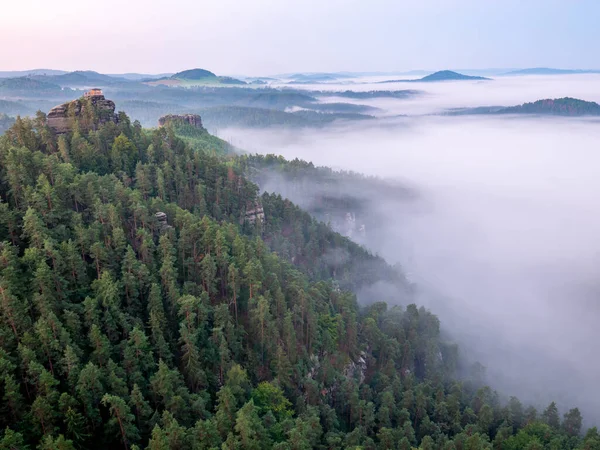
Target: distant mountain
point(25, 73)
point(566, 106)
point(442, 75)
point(549, 71)
point(448, 75)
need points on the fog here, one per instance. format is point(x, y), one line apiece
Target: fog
point(501, 91)
point(504, 235)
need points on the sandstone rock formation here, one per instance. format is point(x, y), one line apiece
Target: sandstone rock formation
point(91, 112)
point(162, 224)
point(254, 212)
point(191, 119)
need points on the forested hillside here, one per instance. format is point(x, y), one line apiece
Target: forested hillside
point(565, 106)
point(5, 122)
point(145, 304)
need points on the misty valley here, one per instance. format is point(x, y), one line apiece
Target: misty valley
point(363, 260)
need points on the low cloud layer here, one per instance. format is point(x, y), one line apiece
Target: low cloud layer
point(504, 237)
point(501, 91)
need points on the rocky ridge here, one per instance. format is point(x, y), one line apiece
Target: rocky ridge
point(91, 112)
point(191, 119)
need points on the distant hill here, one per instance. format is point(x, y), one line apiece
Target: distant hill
point(548, 71)
point(194, 77)
point(567, 106)
point(16, 86)
point(194, 74)
point(26, 73)
point(448, 75)
point(81, 78)
point(442, 75)
point(230, 80)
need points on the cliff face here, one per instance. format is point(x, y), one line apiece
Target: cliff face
point(91, 112)
point(254, 212)
point(191, 119)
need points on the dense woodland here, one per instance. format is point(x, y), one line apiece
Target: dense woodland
point(119, 330)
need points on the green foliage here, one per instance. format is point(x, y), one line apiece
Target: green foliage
point(200, 139)
point(140, 307)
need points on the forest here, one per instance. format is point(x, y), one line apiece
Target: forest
point(144, 304)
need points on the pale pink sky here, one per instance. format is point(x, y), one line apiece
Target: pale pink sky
point(271, 36)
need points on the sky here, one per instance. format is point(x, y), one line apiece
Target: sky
point(260, 37)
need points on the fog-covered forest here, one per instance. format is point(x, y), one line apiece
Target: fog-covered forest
point(299, 225)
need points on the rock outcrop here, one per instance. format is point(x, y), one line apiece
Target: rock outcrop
point(254, 212)
point(91, 112)
point(162, 224)
point(190, 119)
point(358, 369)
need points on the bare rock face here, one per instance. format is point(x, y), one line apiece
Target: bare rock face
point(191, 119)
point(91, 112)
point(357, 369)
point(254, 213)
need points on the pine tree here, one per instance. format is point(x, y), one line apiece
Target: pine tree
point(550, 416)
point(121, 416)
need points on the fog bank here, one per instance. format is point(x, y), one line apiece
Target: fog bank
point(504, 237)
point(500, 91)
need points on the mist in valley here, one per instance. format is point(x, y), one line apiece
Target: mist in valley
point(436, 97)
point(502, 234)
